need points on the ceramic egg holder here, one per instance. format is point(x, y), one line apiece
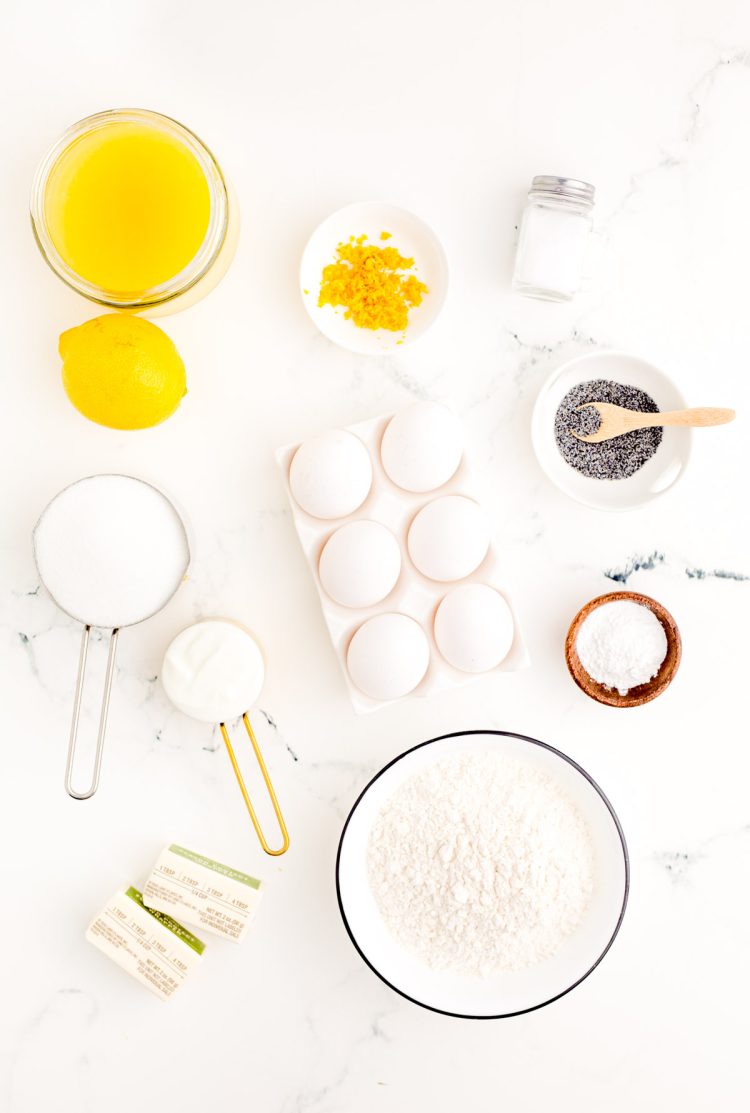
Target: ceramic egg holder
point(414, 594)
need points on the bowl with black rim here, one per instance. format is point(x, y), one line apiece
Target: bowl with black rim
point(507, 993)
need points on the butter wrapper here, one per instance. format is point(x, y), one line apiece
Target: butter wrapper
point(203, 892)
point(152, 947)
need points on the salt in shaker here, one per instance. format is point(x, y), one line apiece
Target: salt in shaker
point(554, 234)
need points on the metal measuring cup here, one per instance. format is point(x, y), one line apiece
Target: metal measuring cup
point(81, 548)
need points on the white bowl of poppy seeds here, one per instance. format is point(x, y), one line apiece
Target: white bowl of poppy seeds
point(618, 474)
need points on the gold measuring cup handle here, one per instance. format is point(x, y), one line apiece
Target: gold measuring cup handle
point(272, 795)
point(102, 716)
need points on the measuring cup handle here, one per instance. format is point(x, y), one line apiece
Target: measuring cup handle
point(77, 714)
point(246, 796)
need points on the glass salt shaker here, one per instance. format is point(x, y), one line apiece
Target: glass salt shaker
point(553, 239)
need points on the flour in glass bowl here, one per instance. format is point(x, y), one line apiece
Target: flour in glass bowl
point(480, 865)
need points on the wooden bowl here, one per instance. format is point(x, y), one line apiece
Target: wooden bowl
point(642, 693)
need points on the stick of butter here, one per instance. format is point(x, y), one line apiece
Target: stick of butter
point(154, 948)
point(203, 892)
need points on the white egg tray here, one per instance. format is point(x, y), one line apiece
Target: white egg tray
point(414, 594)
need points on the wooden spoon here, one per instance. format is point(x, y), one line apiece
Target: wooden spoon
point(615, 420)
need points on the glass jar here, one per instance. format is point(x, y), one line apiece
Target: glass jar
point(553, 238)
point(90, 198)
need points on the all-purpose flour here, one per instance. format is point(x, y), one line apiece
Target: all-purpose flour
point(480, 864)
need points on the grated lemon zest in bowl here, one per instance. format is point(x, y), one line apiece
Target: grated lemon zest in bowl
point(372, 285)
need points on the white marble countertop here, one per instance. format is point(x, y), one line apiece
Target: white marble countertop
point(448, 110)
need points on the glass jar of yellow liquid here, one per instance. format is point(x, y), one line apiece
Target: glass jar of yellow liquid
point(132, 210)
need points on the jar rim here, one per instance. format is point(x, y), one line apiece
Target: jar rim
point(193, 271)
point(565, 189)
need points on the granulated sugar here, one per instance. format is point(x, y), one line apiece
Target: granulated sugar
point(111, 550)
point(480, 864)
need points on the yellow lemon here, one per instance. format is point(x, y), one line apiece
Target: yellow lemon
point(122, 371)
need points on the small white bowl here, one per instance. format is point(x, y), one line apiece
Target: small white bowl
point(655, 477)
point(506, 994)
point(411, 236)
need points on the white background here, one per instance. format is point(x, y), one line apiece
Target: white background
point(447, 109)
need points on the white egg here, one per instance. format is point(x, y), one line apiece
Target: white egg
point(422, 446)
point(360, 564)
point(449, 538)
point(213, 671)
point(331, 474)
point(388, 656)
point(474, 628)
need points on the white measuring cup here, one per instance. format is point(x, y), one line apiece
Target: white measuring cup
point(214, 671)
point(111, 551)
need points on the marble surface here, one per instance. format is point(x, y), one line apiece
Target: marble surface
point(448, 110)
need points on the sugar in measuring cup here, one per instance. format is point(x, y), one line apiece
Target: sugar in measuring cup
point(214, 671)
point(111, 550)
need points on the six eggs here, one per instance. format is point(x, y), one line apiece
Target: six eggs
point(363, 562)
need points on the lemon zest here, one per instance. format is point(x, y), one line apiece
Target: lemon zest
point(372, 285)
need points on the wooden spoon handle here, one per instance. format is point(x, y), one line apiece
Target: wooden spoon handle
point(695, 418)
